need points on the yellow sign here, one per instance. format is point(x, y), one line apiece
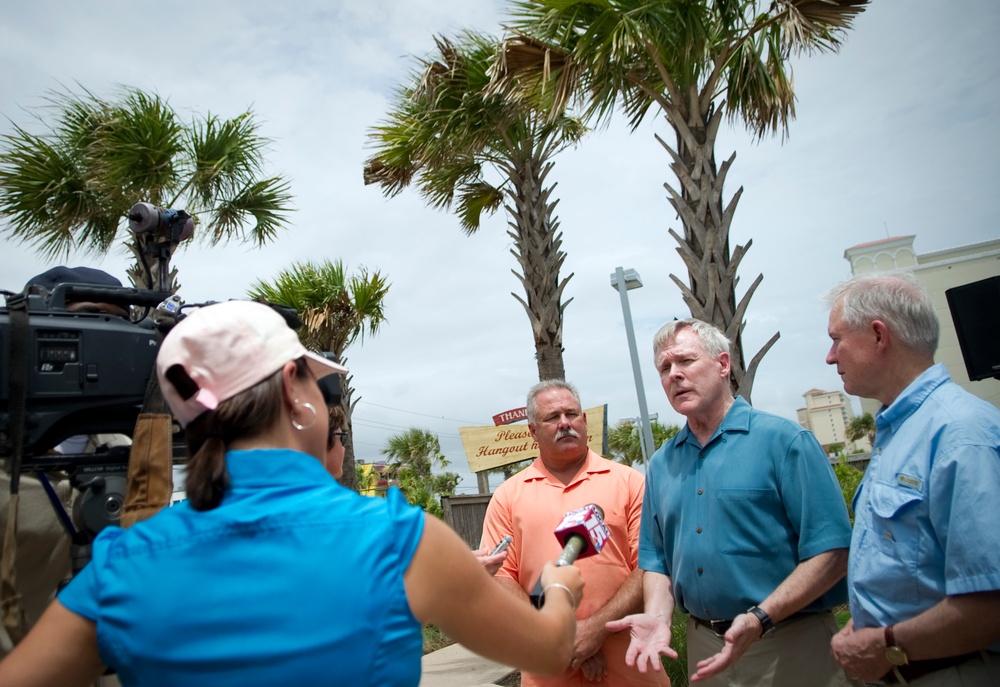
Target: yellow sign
point(493, 447)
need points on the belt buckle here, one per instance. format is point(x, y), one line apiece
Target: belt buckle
point(720, 627)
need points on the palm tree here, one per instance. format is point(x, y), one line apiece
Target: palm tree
point(862, 426)
point(336, 310)
point(625, 444)
point(72, 187)
point(450, 129)
point(412, 456)
point(696, 62)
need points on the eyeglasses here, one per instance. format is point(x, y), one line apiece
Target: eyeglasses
point(342, 434)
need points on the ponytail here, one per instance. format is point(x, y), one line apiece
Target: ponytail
point(207, 476)
point(244, 416)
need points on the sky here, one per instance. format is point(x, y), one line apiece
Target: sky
point(895, 135)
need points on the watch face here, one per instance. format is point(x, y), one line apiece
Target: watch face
point(895, 655)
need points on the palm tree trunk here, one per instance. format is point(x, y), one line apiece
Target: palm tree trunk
point(349, 478)
point(710, 293)
point(537, 242)
point(156, 257)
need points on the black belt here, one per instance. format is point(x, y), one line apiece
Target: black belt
point(721, 627)
point(917, 669)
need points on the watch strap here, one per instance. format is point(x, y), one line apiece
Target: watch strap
point(766, 624)
point(894, 653)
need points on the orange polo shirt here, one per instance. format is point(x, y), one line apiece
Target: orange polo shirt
point(530, 505)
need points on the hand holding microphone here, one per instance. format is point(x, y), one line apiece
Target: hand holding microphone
point(582, 533)
point(558, 579)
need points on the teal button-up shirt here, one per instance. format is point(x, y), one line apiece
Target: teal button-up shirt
point(729, 521)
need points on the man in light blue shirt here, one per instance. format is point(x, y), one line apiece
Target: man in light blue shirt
point(924, 570)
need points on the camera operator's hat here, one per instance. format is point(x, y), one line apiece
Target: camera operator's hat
point(52, 278)
point(220, 350)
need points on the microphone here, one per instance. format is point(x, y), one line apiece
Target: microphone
point(582, 533)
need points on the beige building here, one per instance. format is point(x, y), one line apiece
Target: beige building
point(937, 271)
point(827, 415)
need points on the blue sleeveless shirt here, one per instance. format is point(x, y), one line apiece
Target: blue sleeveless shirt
point(291, 580)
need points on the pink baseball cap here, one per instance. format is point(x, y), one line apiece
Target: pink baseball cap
point(226, 348)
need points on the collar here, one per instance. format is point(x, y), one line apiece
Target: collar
point(274, 467)
point(912, 396)
point(595, 464)
point(737, 419)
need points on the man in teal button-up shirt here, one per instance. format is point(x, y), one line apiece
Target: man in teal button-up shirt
point(744, 527)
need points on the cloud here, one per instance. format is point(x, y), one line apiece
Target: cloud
point(895, 134)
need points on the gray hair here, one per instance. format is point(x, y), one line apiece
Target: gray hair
point(712, 339)
point(531, 406)
point(895, 298)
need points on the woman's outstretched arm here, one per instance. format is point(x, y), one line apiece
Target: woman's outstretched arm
point(60, 651)
point(447, 587)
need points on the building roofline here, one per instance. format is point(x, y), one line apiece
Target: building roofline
point(892, 239)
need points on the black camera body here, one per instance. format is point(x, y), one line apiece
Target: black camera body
point(87, 373)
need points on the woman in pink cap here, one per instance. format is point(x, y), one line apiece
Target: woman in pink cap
point(271, 573)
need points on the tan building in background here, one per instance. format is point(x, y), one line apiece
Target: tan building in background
point(937, 271)
point(827, 415)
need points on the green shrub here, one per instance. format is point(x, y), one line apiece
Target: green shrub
point(849, 478)
point(434, 639)
point(676, 668)
point(843, 614)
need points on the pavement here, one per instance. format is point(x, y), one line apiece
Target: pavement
point(456, 666)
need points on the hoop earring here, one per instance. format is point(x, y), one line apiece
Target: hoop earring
point(312, 422)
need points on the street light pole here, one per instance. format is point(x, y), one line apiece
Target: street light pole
point(624, 281)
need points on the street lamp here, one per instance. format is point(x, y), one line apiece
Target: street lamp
point(624, 281)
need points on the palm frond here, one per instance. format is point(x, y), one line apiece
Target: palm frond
point(817, 24)
point(475, 199)
point(452, 125)
point(71, 187)
point(45, 194)
point(265, 201)
point(335, 308)
point(223, 153)
point(759, 90)
point(134, 153)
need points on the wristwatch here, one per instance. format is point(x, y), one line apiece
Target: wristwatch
point(767, 626)
point(894, 653)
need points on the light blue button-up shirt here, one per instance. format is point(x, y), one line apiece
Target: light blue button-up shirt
point(926, 514)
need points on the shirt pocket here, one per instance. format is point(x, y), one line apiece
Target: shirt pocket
point(749, 526)
point(895, 533)
point(892, 508)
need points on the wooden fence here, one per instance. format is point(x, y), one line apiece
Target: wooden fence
point(857, 460)
point(465, 515)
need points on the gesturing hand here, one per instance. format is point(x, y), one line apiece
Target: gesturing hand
point(744, 631)
point(650, 637)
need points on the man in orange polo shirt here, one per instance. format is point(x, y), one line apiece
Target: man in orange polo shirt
point(567, 475)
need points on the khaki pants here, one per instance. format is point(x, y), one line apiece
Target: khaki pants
point(796, 654)
point(42, 546)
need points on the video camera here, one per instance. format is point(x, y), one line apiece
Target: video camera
point(68, 372)
point(87, 373)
